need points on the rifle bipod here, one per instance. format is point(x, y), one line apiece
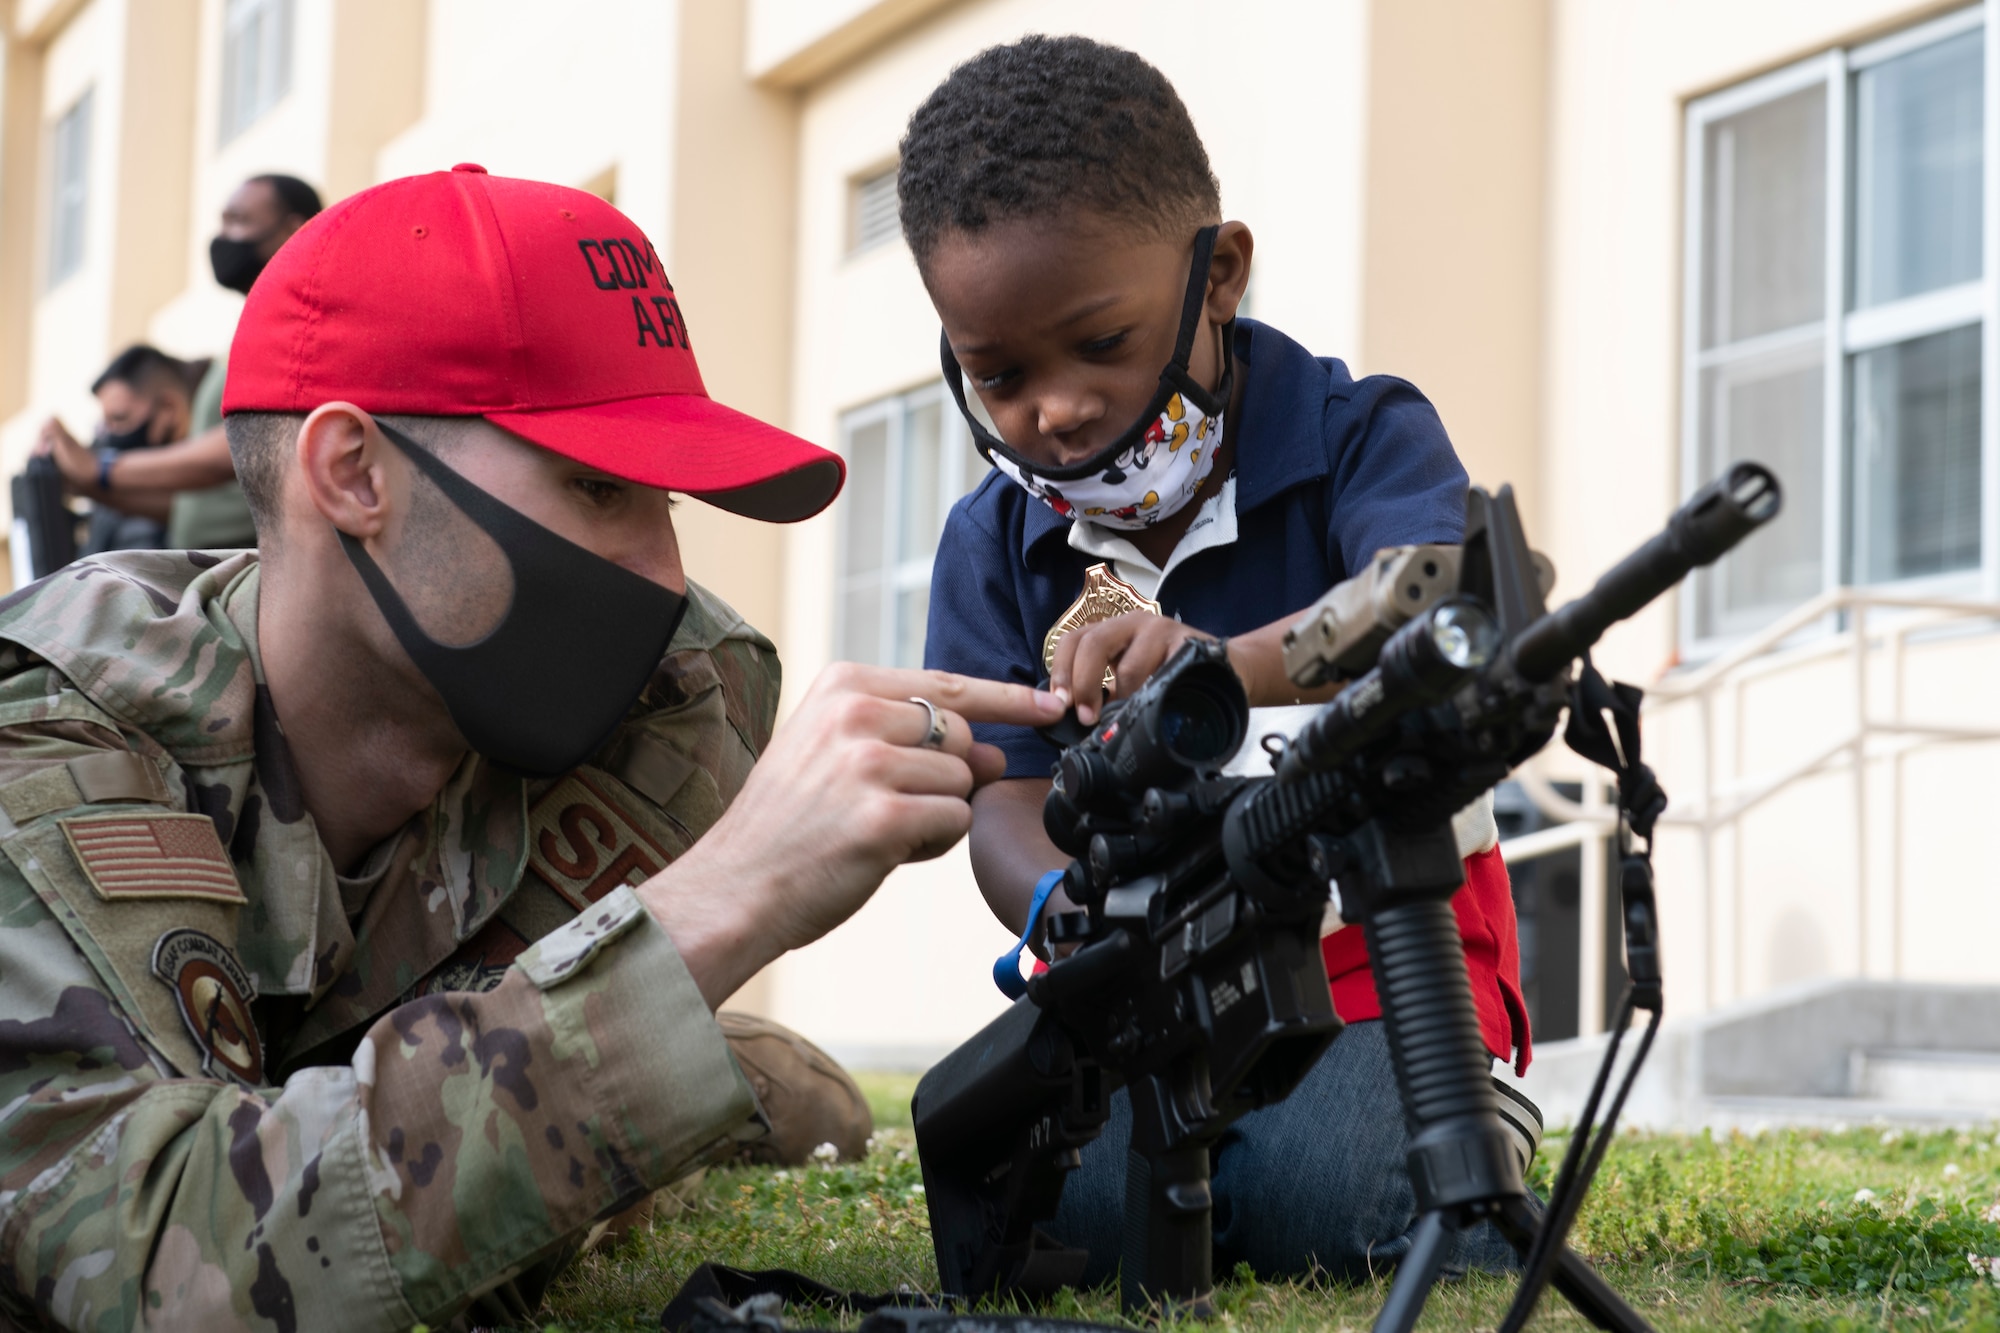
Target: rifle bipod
point(1463, 1165)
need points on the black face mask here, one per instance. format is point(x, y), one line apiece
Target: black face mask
point(576, 646)
point(236, 263)
point(139, 437)
point(1174, 379)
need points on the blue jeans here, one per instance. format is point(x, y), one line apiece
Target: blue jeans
point(1316, 1182)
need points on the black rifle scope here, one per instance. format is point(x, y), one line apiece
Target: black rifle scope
point(1720, 515)
point(1189, 718)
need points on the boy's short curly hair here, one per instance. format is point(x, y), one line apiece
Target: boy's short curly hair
point(1050, 125)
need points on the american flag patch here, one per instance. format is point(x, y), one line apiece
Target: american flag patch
point(153, 856)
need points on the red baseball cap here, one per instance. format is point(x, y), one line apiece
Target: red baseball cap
point(540, 308)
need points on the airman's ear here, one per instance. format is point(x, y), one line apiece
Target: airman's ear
point(1228, 272)
point(343, 465)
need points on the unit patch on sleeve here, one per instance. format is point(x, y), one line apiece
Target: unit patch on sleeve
point(214, 994)
point(153, 856)
point(584, 845)
point(478, 965)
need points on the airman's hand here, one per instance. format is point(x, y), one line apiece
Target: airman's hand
point(846, 792)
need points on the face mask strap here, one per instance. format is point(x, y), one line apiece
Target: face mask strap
point(1174, 379)
point(387, 600)
point(1197, 296)
point(491, 515)
point(984, 440)
point(1210, 401)
point(477, 505)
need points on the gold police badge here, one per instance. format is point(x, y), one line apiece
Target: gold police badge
point(1104, 597)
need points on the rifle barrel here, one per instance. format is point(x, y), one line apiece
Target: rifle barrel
point(1720, 515)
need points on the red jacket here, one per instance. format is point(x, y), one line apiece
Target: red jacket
point(1485, 908)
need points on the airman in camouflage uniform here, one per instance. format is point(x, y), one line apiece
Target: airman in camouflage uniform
point(314, 1011)
point(437, 1001)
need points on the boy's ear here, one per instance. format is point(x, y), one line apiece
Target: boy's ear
point(1228, 272)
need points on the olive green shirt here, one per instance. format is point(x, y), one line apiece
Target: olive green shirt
point(216, 518)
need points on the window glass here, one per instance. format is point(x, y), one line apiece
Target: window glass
point(909, 458)
point(1764, 219)
point(860, 637)
point(913, 605)
point(1873, 422)
point(1767, 410)
point(69, 188)
point(923, 498)
point(1916, 457)
point(1917, 168)
point(867, 495)
point(256, 60)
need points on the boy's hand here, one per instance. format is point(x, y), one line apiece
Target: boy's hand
point(1133, 645)
point(1138, 643)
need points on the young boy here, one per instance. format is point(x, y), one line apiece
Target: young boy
point(1061, 210)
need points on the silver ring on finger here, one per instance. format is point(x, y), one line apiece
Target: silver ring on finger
point(935, 734)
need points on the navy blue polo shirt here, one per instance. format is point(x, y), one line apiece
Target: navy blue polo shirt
point(1329, 470)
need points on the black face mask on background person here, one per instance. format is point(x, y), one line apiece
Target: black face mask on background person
point(139, 437)
point(236, 263)
point(580, 638)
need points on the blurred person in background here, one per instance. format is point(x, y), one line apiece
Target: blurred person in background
point(147, 398)
point(189, 485)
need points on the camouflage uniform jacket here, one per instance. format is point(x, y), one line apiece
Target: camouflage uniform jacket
point(239, 1090)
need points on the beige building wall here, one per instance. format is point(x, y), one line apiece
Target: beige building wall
point(1483, 198)
point(20, 165)
point(1457, 140)
point(72, 320)
point(732, 251)
point(160, 175)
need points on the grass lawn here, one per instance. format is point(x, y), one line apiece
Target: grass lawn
point(1790, 1230)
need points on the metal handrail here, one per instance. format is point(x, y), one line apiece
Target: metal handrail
point(1773, 650)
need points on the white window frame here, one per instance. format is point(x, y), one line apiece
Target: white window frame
point(76, 125)
point(1843, 332)
point(239, 111)
point(956, 473)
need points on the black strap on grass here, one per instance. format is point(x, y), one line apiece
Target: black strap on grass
point(719, 1299)
point(731, 1288)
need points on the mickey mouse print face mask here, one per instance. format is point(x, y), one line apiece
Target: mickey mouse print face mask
point(1157, 465)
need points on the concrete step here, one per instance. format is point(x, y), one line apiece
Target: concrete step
point(1929, 1055)
point(1751, 1114)
point(1968, 1080)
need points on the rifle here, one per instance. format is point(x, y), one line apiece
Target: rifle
point(1196, 979)
point(44, 526)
